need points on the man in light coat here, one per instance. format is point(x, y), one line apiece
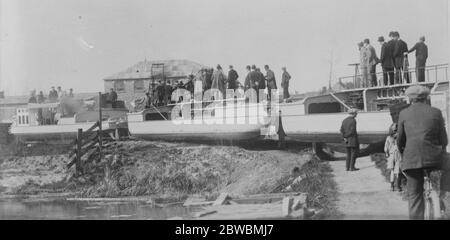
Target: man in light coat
point(373, 61)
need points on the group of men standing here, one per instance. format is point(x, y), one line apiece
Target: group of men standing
point(393, 60)
point(53, 95)
point(217, 79)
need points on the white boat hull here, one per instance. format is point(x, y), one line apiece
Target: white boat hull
point(56, 132)
point(372, 127)
point(168, 130)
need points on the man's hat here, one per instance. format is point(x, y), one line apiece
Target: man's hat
point(391, 34)
point(352, 111)
point(417, 92)
point(381, 39)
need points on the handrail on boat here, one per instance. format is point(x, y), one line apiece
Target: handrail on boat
point(440, 72)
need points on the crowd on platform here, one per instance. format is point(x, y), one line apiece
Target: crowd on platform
point(393, 60)
point(210, 78)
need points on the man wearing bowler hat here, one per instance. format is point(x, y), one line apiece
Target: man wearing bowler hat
point(387, 62)
point(350, 135)
point(422, 139)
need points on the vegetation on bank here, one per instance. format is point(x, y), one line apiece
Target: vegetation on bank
point(176, 170)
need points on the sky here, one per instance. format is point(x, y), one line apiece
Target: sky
point(77, 43)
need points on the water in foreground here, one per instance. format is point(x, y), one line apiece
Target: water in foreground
point(62, 209)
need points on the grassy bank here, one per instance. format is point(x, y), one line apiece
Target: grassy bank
point(173, 171)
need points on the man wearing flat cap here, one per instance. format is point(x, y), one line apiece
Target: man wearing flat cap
point(422, 139)
point(350, 135)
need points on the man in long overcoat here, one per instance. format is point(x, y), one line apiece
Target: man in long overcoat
point(350, 135)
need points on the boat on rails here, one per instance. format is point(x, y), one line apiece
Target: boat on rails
point(60, 121)
point(231, 120)
point(318, 118)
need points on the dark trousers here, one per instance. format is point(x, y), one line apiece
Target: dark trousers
point(373, 75)
point(420, 70)
point(352, 154)
point(414, 186)
point(388, 76)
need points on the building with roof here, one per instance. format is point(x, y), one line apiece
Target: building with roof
point(133, 82)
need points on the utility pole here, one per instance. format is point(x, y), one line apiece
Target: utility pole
point(331, 71)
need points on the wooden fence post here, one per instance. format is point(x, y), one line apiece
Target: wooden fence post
point(78, 167)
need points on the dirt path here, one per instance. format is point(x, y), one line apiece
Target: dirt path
point(365, 194)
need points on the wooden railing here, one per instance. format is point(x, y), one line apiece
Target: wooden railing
point(87, 143)
point(433, 73)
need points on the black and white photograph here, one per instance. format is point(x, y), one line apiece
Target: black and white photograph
point(226, 110)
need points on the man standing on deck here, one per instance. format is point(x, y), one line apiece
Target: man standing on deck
point(387, 62)
point(219, 80)
point(422, 140)
point(400, 49)
point(421, 58)
point(350, 135)
point(373, 61)
point(160, 92)
point(364, 55)
point(285, 83)
point(167, 92)
point(53, 95)
point(248, 83)
point(112, 97)
point(271, 82)
point(232, 78)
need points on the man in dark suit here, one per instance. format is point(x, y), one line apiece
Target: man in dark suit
point(400, 49)
point(232, 78)
point(271, 82)
point(422, 139)
point(387, 62)
point(112, 97)
point(421, 58)
point(350, 135)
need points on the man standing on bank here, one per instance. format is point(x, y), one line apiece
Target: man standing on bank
point(350, 135)
point(421, 58)
point(422, 140)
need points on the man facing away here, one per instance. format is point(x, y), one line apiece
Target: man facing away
point(271, 82)
point(112, 97)
point(422, 139)
point(218, 80)
point(400, 49)
point(53, 95)
point(232, 78)
point(387, 62)
point(421, 58)
point(285, 83)
point(350, 135)
point(373, 61)
point(248, 83)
